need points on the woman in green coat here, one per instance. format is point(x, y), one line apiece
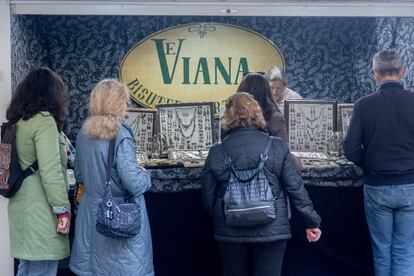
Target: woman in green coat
point(39, 212)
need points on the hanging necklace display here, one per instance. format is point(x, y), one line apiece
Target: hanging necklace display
point(313, 121)
point(344, 116)
point(185, 124)
point(136, 126)
point(141, 122)
point(310, 123)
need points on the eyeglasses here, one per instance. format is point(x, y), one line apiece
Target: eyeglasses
point(254, 73)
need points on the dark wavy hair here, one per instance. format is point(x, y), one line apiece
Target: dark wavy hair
point(258, 86)
point(41, 90)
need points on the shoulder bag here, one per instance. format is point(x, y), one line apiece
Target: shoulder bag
point(117, 220)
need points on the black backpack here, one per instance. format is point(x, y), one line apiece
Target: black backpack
point(248, 199)
point(11, 174)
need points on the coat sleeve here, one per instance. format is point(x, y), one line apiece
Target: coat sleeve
point(46, 139)
point(134, 179)
point(293, 185)
point(78, 171)
point(352, 143)
point(208, 185)
point(277, 126)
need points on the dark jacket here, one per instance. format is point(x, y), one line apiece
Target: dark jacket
point(381, 135)
point(276, 125)
point(245, 145)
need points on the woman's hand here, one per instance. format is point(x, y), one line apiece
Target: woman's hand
point(63, 225)
point(313, 234)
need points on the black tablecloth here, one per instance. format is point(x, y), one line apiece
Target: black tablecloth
point(182, 232)
point(183, 241)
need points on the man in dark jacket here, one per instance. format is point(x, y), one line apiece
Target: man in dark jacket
point(380, 139)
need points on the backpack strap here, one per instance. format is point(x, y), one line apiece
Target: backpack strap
point(8, 135)
point(263, 157)
point(30, 170)
point(227, 159)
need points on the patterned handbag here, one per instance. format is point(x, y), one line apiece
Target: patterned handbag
point(117, 220)
point(11, 173)
point(5, 160)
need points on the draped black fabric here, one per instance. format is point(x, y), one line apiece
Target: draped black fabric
point(344, 248)
point(183, 240)
point(326, 57)
point(183, 243)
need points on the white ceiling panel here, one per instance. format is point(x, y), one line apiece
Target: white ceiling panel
point(216, 8)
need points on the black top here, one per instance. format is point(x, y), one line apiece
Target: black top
point(244, 146)
point(381, 135)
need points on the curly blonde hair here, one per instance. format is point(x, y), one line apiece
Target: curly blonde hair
point(107, 107)
point(242, 110)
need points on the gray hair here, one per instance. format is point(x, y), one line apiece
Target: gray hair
point(387, 63)
point(277, 74)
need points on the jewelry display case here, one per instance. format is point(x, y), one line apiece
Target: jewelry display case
point(187, 126)
point(344, 116)
point(187, 155)
point(142, 157)
point(310, 124)
point(142, 123)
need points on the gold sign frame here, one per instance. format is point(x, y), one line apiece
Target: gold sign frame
point(187, 63)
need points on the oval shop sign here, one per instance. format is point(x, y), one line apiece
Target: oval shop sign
point(198, 62)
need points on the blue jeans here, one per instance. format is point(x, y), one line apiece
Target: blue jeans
point(390, 216)
point(37, 268)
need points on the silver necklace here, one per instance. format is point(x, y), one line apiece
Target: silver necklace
point(312, 122)
point(183, 127)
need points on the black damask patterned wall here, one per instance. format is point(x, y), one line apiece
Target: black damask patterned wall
point(326, 58)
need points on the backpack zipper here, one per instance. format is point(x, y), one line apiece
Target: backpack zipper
point(248, 209)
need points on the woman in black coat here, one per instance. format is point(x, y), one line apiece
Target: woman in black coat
point(254, 250)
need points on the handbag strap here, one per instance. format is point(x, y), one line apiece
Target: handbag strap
point(110, 161)
point(263, 157)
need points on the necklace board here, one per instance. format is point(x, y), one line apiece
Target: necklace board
point(310, 124)
point(344, 116)
point(187, 126)
point(142, 123)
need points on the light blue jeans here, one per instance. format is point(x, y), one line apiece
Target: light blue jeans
point(390, 216)
point(37, 268)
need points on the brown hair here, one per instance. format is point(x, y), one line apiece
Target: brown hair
point(257, 85)
point(242, 110)
point(107, 107)
point(41, 90)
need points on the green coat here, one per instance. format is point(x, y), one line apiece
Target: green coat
point(32, 209)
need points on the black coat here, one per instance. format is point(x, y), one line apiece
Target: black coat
point(245, 145)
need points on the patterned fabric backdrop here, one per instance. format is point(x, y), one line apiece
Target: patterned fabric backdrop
point(326, 58)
